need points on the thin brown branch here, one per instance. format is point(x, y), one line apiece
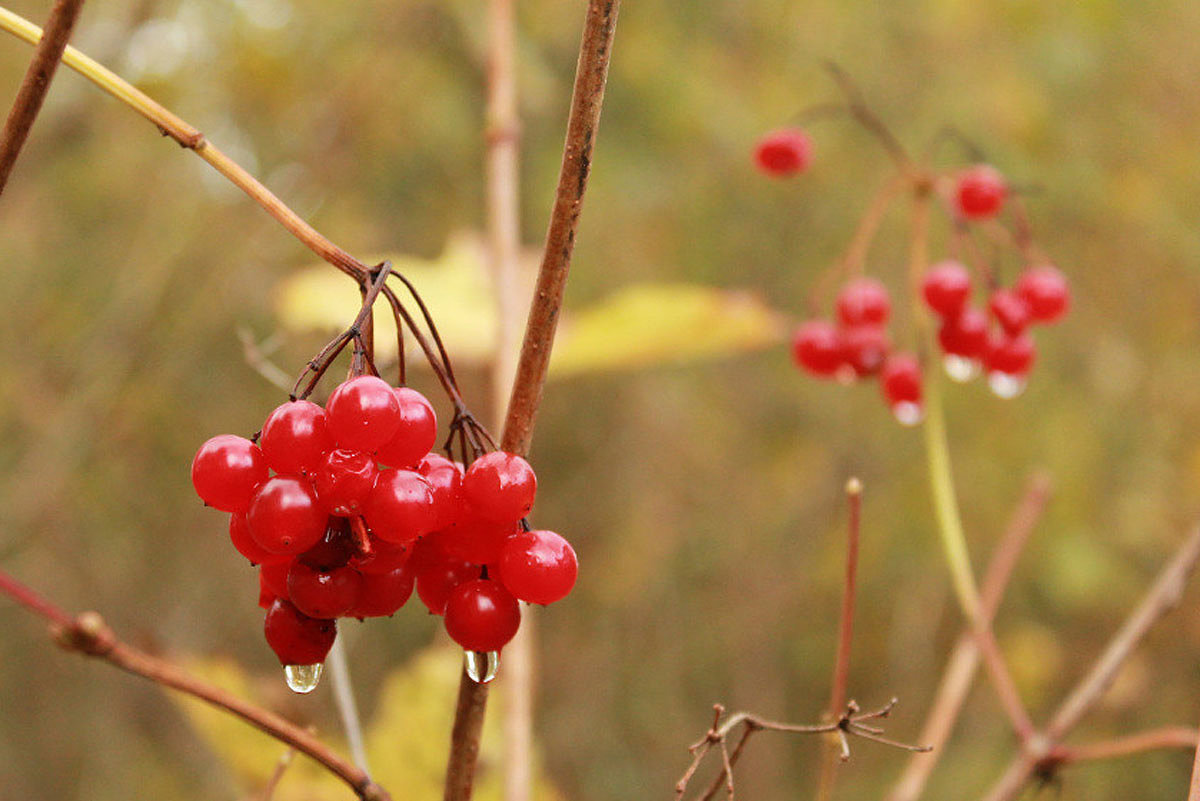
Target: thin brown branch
point(285, 759)
point(591, 76)
point(46, 57)
point(88, 634)
point(1162, 597)
point(1194, 784)
point(964, 659)
point(1153, 740)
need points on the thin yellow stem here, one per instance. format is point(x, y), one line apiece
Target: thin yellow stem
point(191, 138)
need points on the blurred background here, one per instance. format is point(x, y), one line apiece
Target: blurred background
point(704, 498)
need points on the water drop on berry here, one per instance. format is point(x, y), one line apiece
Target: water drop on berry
point(908, 414)
point(1006, 385)
point(482, 667)
point(960, 368)
point(303, 679)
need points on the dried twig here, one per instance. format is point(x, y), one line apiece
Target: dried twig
point(88, 634)
point(36, 83)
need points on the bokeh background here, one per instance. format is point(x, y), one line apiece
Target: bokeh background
point(703, 498)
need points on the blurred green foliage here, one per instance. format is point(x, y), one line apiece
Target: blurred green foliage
point(703, 499)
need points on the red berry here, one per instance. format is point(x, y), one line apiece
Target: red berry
point(334, 549)
point(343, 481)
point(383, 558)
point(1045, 291)
point(400, 507)
point(296, 638)
point(226, 471)
point(295, 437)
point(323, 593)
point(783, 152)
point(446, 478)
point(476, 541)
point(947, 288)
point(500, 487)
point(817, 348)
point(863, 301)
point(285, 517)
point(900, 382)
point(239, 535)
point(272, 577)
point(538, 566)
point(266, 597)
point(416, 434)
point(363, 413)
point(1010, 355)
point(383, 593)
point(866, 346)
point(438, 579)
point(965, 335)
point(980, 191)
point(482, 616)
point(1010, 310)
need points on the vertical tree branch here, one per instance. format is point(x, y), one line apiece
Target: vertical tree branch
point(46, 56)
point(591, 76)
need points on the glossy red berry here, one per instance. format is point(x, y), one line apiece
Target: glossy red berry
point(416, 434)
point(1009, 310)
point(947, 288)
point(482, 616)
point(965, 335)
point(866, 347)
point(863, 301)
point(296, 638)
point(980, 192)
point(273, 577)
point(1045, 291)
point(817, 348)
point(295, 437)
point(436, 580)
point(363, 413)
point(383, 558)
point(239, 535)
point(900, 382)
point(343, 481)
point(383, 594)
point(500, 487)
point(400, 506)
point(284, 515)
point(476, 541)
point(323, 593)
point(226, 471)
point(446, 478)
point(784, 152)
point(538, 567)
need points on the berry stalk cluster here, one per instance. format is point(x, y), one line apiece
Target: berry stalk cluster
point(345, 508)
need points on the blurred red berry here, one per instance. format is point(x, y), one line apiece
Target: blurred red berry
point(784, 152)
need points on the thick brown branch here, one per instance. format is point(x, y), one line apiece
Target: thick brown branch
point(88, 634)
point(46, 58)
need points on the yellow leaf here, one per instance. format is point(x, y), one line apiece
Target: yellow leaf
point(649, 324)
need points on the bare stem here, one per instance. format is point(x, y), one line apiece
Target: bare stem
point(1153, 740)
point(191, 138)
point(36, 83)
point(88, 634)
point(591, 75)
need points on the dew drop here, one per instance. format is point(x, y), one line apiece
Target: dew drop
point(960, 368)
point(482, 667)
point(1006, 385)
point(303, 678)
point(908, 413)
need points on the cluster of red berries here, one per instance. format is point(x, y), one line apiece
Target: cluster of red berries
point(358, 510)
point(996, 342)
point(858, 346)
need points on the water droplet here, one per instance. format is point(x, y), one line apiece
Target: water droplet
point(1006, 385)
point(303, 678)
point(482, 667)
point(960, 368)
point(908, 413)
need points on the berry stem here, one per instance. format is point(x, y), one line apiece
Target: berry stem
point(36, 83)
